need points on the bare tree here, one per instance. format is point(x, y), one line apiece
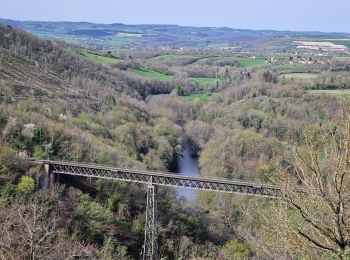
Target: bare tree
point(28, 226)
point(313, 217)
point(33, 228)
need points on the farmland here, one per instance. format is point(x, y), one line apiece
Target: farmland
point(98, 57)
point(151, 74)
point(345, 42)
point(202, 97)
point(203, 82)
point(298, 76)
point(249, 62)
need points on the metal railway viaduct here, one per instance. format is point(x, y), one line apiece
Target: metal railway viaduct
point(152, 180)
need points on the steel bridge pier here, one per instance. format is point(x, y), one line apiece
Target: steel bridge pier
point(150, 246)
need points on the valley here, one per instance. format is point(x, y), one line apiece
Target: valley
point(221, 103)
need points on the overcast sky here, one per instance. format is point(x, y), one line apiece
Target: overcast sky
point(322, 15)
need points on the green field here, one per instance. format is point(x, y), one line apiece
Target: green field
point(337, 41)
point(203, 98)
point(345, 41)
point(204, 82)
point(247, 62)
point(164, 57)
point(143, 72)
point(95, 56)
point(342, 42)
point(303, 76)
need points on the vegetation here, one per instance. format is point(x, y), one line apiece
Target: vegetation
point(126, 36)
point(305, 76)
point(151, 74)
point(108, 126)
point(162, 57)
point(26, 185)
point(241, 119)
point(316, 181)
point(69, 71)
point(203, 98)
point(206, 81)
point(99, 57)
point(250, 62)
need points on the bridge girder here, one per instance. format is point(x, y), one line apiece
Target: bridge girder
point(153, 179)
point(163, 179)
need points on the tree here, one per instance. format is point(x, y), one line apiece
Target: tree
point(92, 220)
point(234, 249)
point(179, 90)
point(313, 216)
point(26, 185)
point(269, 77)
point(33, 227)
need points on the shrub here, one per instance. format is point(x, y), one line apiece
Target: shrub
point(236, 250)
point(92, 220)
point(26, 185)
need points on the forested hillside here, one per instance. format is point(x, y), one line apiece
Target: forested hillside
point(57, 105)
point(54, 58)
point(279, 119)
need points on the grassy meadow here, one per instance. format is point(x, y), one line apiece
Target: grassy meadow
point(248, 62)
point(204, 82)
point(302, 76)
point(203, 97)
point(143, 72)
point(98, 57)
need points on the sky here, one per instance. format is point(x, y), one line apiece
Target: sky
point(299, 15)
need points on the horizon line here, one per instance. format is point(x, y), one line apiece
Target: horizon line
point(166, 24)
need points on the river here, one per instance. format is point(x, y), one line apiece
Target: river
point(187, 165)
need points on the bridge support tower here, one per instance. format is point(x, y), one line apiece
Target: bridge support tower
point(49, 178)
point(150, 247)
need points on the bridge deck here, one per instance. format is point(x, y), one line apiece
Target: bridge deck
point(162, 178)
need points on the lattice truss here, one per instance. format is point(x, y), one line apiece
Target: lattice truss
point(163, 179)
point(150, 246)
point(153, 179)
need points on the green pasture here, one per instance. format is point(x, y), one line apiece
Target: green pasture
point(203, 97)
point(248, 62)
point(204, 82)
point(99, 57)
point(143, 72)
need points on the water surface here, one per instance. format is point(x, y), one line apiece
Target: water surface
point(187, 165)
